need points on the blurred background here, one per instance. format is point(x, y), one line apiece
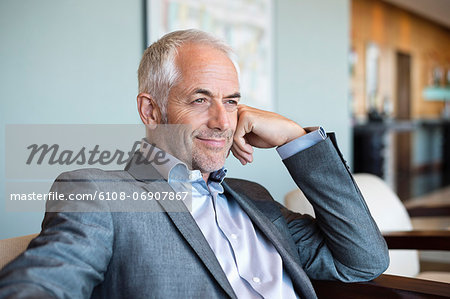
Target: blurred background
point(376, 72)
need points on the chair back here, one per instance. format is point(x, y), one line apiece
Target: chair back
point(11, 248)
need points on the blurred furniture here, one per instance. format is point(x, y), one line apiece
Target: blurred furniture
point(443, 125)
point(11, 248)
point(385, 286)
point(370, 144)
point(394, 222)
point(430, 211)
point(442, 94)
point(446, 151)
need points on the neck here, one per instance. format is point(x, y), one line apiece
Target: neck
point(205, 176)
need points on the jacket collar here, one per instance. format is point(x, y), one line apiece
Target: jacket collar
point(142, 170)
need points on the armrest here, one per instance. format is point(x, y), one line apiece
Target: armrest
point(429, 210)
point(421, 240)
point(385, 286)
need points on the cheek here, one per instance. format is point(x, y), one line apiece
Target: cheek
point(233, 121)
point(185, 115)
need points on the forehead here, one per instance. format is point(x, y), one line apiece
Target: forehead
point(204, 64)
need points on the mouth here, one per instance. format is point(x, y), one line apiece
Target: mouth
point(212, 142)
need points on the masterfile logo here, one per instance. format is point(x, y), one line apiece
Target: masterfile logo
point(53, 154)
point(44, 151)
point(37, 154)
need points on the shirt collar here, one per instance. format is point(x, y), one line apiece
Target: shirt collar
point(174, 169)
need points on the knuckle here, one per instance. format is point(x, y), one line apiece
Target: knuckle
point(244, 113)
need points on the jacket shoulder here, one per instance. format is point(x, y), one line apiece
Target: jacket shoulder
point(93, 174)
point(251, 189)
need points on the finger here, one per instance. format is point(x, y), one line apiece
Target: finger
point(242, 128)
point(237, 156)
point(239, 139)
point(256, 141)
point(243, 157)
point(241, 154)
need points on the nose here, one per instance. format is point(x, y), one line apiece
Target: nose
point(218, 117)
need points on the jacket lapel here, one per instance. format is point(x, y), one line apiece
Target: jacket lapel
point(301, 281)
point(193, 235)
point(181, 217)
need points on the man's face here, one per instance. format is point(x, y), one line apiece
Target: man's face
point(205, 98)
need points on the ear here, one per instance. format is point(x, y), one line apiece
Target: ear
point(148, 109)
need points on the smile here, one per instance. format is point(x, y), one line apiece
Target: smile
point(212, 142)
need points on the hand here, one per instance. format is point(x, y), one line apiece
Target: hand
point(262, 129)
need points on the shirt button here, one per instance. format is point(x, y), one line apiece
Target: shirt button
point(256, 279)
point(234, 236)
point(191, 176)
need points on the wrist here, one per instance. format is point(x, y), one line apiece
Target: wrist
point(297, 131)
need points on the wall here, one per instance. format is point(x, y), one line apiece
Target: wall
point(72, 62)
point(65, 62)
point(394, 29)
point(312, 39)
point(311, 48)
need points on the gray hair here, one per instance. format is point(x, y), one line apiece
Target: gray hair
point(158, 73)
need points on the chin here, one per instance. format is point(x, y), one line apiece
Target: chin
point(208, 168)
point(208, 161)
point(208, 164)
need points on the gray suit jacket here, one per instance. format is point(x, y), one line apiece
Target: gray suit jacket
point(164, 254)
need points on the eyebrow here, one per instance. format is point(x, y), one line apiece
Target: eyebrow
point(210, 94)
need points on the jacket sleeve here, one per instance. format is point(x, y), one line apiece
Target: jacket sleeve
point(343, 242)
point(70, 255)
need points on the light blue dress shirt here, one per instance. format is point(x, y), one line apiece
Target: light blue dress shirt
point(250, 261)
point(315, 135)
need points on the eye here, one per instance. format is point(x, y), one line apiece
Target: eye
point(231, 102)
point(199, 101)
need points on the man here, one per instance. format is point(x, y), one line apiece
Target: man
point(235, 241)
